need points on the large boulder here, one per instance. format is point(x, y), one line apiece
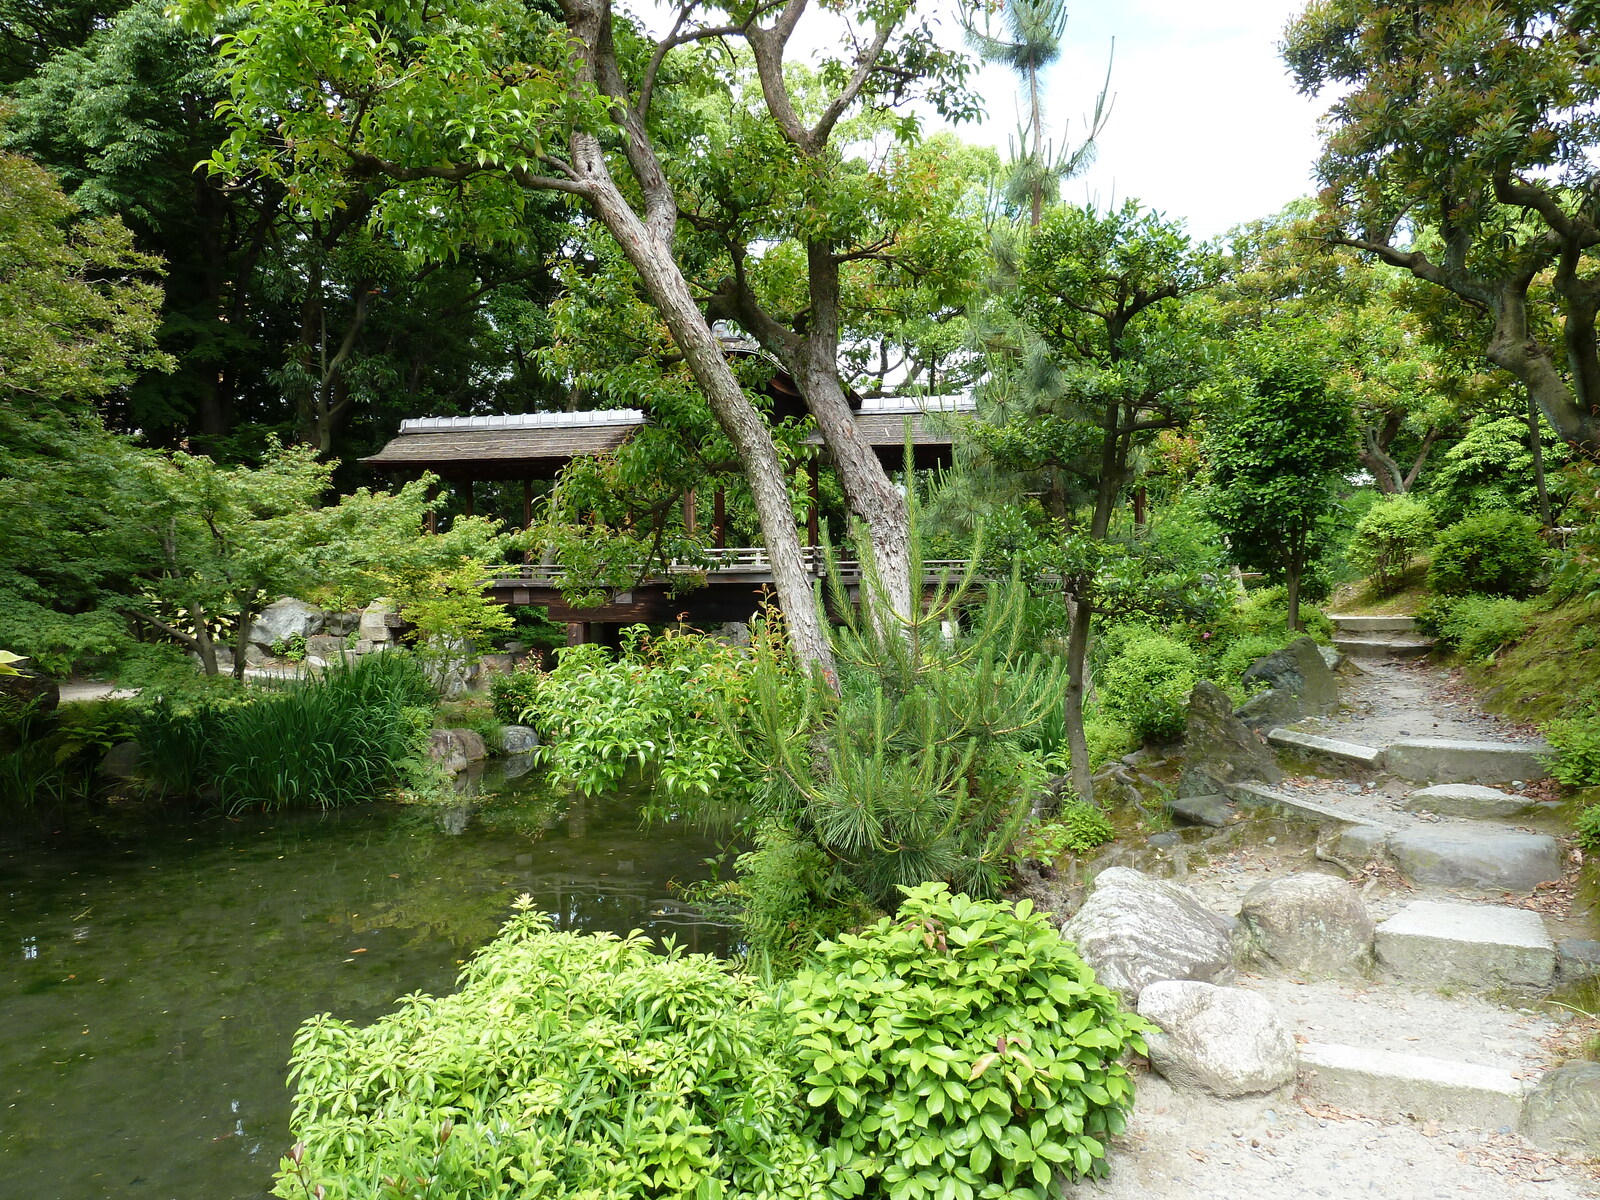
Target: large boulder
point(284, 619)
point(518, 739)
point(1562, 1112)
point(1221, 1040)
point(122, 761)
point(1307, 924)
point(1135, 930)
point(378, 622)
point(456, 749)
point(1301, 683)
point(1220, 749)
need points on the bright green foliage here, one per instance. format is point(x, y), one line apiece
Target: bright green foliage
point(345, 737)
point(1075, 829)
point(1491, 467)
point(1492, 553)
point(663, 706)
point(1391, 533)
point(1277, 460)
point(1263, 612)
point(1576, 742)
point(960, 1050)
point(1587, 827)
point(1477, 627)
point(791, 899)
point(566, 1065)
point(1147, 684)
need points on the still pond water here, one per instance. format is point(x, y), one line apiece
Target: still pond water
point(153, 983)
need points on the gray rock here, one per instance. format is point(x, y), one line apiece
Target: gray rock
point(1354, 846)
point(1219, 749)
point(518, 739)
point(1577, 959)
point(1307, 924)
point(1273, 707)
point(1465, 800)
point(1510, 862)
point(1454, 760)
point(1221, 1040)
point(1300, 669)
point(1135, 930)
point(1562, 1112)
point(446, 748)
point(1164, 841)
point(494, 664)
point(254, 656)
point(284, 619)
point(29, 687)
point(471, 742)
point(1215, 811)
point(325, 645)
point(122, 761)
point(341, 624)
point(373, 624)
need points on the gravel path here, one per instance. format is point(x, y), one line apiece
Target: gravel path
point(1393, 699)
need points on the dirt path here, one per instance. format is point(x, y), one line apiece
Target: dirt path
point(1393, 699)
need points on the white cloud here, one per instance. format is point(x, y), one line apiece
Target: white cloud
point(1206, 124)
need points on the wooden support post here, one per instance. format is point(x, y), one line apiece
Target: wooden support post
point(812, 539)
point(466, 502)
point(719, 519)
point(527, 515)
point(577, 633)
point(430, 523)
point(690, 511)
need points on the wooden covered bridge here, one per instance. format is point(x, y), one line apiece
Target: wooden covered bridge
point(530, 447)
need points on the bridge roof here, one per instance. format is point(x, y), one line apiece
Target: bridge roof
point(515, 446)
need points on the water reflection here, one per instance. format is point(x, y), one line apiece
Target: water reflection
point(146, 1021)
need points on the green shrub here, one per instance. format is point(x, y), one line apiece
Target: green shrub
point(1147, 685)
point(1264, 611)
point(1386, 539)
point(512, 692)
point(1233, 658)
point(961, 1049)
point(1474, 626)
point(1491, 553)
point(1576, 745)
point(1587, 828)
point(566, 1065)
point(1075, 829)
point(790, 900)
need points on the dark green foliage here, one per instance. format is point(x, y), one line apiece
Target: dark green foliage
point(1474, 626)
point(514, 691)
point(1491, 553)
point(345, 737)
point(566, 1065)
point(791, 899)
point(1146, 683)
point(960, 1050)
point(1390, 534)
point(1491, 469)
point(1587, 827)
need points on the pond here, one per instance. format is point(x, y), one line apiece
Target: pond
point(154, 982)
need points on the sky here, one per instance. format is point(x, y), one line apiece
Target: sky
point(1205, 123)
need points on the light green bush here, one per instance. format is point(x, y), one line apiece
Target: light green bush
point(1475, 626)
point(1587, 828)
point(1076, 828)
point(960, 1050)
point(1576, 745)
point(1147, 685)
point(1491, 554)
point(1264, 612)
point(1391, 533)
point(566, 1065)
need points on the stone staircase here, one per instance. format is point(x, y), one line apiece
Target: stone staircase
point(1426, 1033)
point(1379, 637)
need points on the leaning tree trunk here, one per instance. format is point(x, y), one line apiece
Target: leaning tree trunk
point(1072, 699)
point(739, 419)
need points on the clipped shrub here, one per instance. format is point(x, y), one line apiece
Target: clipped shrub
point(1491, 553)
point(1264, 611)
point(1474, 626)
point(1576, 745)
point(513, 692)
point(961, 1049)
point(566, 1065)
point(1233, 658)
point(1147, 685)
point(1390, 534)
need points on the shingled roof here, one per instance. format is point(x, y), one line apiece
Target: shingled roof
point(517, 446)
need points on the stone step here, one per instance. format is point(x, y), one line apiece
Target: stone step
point(1343, 755)
point(1466, 800)
point(1213, 810)
point(1477, 860)
point(1439, 943)
point(1378, 647)
point(1454, 760)
point(1258, 795)
point(1383, 1083)
point(1347, 623)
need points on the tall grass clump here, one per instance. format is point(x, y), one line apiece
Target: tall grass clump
point(342, 738)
